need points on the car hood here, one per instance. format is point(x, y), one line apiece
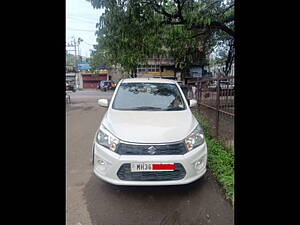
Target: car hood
point(150, 126)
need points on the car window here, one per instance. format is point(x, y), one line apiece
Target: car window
point(148, 97)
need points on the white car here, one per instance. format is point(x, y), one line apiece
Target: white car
point(149, 136)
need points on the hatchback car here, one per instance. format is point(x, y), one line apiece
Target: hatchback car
point(149, 136)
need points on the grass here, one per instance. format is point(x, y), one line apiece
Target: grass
point(219, 161)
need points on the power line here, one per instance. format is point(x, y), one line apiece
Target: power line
point(82, 21)
point(83, 18)
point(84, 15)
point(81, 30)
point(88, 43)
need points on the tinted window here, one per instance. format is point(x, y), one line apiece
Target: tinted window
point(148, 97)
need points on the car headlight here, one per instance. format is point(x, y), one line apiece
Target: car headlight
point(195, 139)
point(106, 139)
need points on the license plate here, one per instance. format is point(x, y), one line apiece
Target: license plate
point(144, 167)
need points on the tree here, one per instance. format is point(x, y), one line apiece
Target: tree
point(130, 31)
point(224, 54)
point(70, 59)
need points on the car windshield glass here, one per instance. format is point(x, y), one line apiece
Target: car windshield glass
point(148, 97)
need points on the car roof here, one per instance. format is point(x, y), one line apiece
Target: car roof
point(148, 80)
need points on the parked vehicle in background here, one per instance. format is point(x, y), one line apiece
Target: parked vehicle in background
point(113, 85)
point(224, 85)
point(149, 136)
point(70, 86)
point(106, 85)
point(212, 86)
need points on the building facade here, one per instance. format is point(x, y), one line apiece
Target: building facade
point(71, 78)
point(115, 74)
point(90, 80)
point(157, 67)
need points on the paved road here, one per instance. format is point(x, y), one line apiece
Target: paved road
point(92, 201)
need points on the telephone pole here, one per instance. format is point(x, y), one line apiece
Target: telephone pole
point(74, 44)
point(78, 41)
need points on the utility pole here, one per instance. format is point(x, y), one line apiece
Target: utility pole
point(75, 63)
point(76, 77)
point(74, 44)
point(79, 40)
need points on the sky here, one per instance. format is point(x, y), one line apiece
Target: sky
point(81, 19)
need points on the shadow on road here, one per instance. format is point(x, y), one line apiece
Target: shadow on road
point(195, 203)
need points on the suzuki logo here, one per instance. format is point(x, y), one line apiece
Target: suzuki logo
point(151, 150)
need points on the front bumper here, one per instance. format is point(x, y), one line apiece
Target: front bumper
point(107, 164)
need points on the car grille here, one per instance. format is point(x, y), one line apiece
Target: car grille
point(169, 149)
point(124, 173)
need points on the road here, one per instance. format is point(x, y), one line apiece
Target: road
point(92, 201)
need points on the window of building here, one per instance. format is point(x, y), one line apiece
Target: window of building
point(141, 69)
point(152, 68)
point(148, 68)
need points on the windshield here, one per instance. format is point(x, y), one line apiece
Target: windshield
point(148, 97)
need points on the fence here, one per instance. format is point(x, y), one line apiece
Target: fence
point(215, 98)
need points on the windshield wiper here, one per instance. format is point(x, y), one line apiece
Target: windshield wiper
point(146, 108)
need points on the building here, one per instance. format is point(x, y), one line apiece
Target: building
point(115, 73)
point(157, 67)
point(197, 72)
point(71, 78)
point(91, 80)
point(70, 75)
point(164, 67)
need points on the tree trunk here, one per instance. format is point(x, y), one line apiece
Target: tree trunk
point(230, 58)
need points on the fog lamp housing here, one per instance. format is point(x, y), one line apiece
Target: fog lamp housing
point(101, 164)
point(200, 163)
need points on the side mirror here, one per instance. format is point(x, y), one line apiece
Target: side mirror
point(193, 103)
point(103, 102)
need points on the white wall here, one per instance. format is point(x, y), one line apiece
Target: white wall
point(79, 82)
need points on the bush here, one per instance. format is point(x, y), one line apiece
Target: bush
point(219, 161)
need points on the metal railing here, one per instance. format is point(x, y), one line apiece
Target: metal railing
point(215, 98)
